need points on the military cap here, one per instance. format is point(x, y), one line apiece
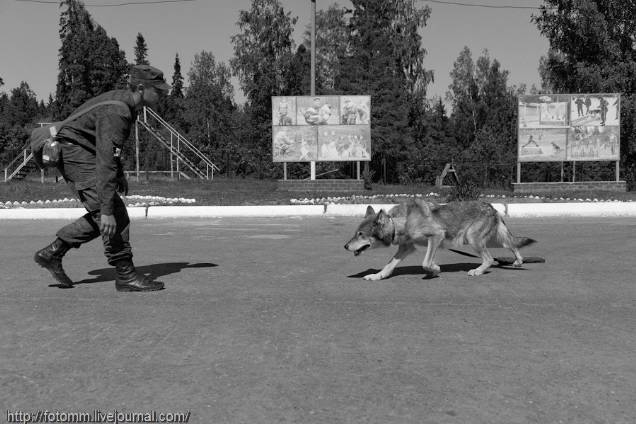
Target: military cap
point(148, 76)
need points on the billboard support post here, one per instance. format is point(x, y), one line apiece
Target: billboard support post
point(518, 172)
point(284, 170)
point(617, 171)
point(358, 169)
point(573, 171)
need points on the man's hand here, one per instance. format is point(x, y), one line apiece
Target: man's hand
point(122, 185)
point(107, 225)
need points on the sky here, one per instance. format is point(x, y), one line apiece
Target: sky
point(29, 39)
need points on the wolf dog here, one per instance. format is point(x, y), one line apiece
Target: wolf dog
point(418, 223)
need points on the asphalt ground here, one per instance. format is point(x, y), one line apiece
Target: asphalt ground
point(267, 320)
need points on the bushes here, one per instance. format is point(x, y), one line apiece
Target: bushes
point(466, 190)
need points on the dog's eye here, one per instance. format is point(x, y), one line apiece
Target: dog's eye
point(359, 233)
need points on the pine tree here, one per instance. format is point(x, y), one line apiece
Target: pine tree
point(177, 79)
point(141, 51)
point(90, 61)
point(384, 61)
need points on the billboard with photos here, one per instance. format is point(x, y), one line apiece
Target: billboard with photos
point(569, 127)
point(321, 128)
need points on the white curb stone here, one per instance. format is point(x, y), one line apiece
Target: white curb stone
point(59, 213)
point(614, 209)
point(514, 210)
point(355, 210)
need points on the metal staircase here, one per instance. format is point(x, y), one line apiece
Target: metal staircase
point(185, 159)
point(20, 166)
point(184, 156)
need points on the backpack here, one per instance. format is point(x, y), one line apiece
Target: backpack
point(44, 145)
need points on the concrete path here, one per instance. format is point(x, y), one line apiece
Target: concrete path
point(267, 320)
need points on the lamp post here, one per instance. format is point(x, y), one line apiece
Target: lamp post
point(312, 77)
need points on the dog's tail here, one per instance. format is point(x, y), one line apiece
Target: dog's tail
point(507, 240)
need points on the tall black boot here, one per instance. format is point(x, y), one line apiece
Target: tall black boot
point(50, 258)
point(128, 279)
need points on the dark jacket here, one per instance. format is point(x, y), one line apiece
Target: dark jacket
point(102, 131)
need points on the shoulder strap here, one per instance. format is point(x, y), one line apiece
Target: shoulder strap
point(88, 109)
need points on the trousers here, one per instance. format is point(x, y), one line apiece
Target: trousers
point(78, 168)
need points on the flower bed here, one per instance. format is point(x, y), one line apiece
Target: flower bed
point(145, 201)
point(436, 197)
point(130, 201)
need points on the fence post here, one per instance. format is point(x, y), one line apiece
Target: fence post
point(178, 156)
point(171, 157)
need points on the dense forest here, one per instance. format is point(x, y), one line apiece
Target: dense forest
point(373, 48)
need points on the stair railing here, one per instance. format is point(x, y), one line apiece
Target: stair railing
point(180, 156)
point(181, 141)
point(18, 163)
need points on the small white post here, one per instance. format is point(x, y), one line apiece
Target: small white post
point(137, 149)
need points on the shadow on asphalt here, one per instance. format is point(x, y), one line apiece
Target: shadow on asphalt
point(417, 270)
point(154, 271)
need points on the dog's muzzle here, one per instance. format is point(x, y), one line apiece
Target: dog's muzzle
point(358, 250)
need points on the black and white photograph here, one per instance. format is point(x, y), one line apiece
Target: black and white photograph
point(595, 110)
point(543, 111)
point(314, 110)
point(294, 144)
point(283, 110)
point(542, 145)
point(592, 143)
point(343, 143)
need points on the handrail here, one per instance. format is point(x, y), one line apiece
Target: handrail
point(20, 156)
point(26, 160)
point(181, 157)
point(180, 138)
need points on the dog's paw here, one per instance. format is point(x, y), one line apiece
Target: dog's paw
point(374, 277)
point(432, 269)
point(475, 272)
point(517, 264)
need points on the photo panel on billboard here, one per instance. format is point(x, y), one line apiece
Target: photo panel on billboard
point(284, 110)
point(344, 143)
point(542, 144)
point(317, 110)
point(355, 110)
point(594, 109)
point(294, 144)
point(543, 111)
point(594, 143)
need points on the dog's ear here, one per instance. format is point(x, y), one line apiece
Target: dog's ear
point(370, 212)
point(425, 207)
point(382, 216)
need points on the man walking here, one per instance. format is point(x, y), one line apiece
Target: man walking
point(91, 148)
